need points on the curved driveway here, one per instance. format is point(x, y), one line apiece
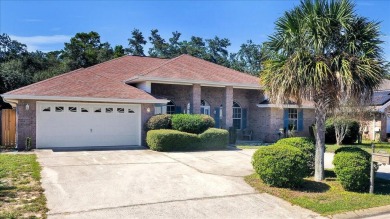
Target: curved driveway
point(148, 184)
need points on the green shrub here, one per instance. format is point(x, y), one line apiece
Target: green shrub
point(353, 170)
point(358, 150)
point(280, 166)
point(351, 136)
point(159, 122)
point(192, 123)
point(213, 139)
point(171, 140)
point(306, 145)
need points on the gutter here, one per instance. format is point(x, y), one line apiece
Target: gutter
point(13, 99)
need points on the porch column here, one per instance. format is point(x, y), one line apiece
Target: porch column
point(195, 99)
point(228, 108)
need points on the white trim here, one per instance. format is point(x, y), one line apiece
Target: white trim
point(12, 98)
point(284, 106)
point(138, 79)
point(137, 108)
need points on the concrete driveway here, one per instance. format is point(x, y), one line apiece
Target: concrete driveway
point(148, 184)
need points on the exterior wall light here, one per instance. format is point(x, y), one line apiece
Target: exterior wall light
point(148, 110)
point(27, 107)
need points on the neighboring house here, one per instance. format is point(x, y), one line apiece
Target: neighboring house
point(108, 104)
point(379, 126)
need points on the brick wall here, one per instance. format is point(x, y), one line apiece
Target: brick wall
point(25, 123)
point(145, 115)
point(269, 120)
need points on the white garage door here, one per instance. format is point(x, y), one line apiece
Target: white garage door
point(87, 124)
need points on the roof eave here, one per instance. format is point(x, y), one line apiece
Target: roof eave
point(139, 79)
point(13, 98)
point(284, 106)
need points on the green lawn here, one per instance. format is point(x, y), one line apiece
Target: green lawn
point(327, 197)
point(21, 194)
point(366, 145)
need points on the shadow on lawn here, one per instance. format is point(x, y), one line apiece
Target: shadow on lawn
point(313, 187)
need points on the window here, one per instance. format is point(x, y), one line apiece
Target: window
point(98, 110)
point(46, 109)
point(204, 107)
point(170, 108)
point(72, 109)
point(160, 109)
point(84, 110)
point(109, 110)
point(237, 115)
point(59, 108)
point(130, 111)
point(120, 110)
point(292, 119)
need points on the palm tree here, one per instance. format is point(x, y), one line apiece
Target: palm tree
point(325, 53)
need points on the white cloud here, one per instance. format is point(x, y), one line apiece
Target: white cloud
point(41, 42)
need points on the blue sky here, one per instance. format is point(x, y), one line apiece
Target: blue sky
point(46, 25)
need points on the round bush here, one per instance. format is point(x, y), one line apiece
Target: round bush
point(159, 122)
point(192, 123)
point(353, 170)
point(280, 166)
point(351, 136)
point(306, 145)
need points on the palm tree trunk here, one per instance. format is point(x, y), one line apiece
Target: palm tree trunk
point(320, 114)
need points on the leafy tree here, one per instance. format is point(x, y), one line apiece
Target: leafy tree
point(195, 47)
point(323, 52)
point(160, 46)
point(13, 75)
point(119, 51)
point(11, 49)
point(85, 49)
point(249, 58)
point(136, 43)
point(217, 51)
point(174, 48)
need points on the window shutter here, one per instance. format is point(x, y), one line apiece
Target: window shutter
point(216, 117)
point(300, 120)
point(285, 119)
point(244, 118)
point(178, 109)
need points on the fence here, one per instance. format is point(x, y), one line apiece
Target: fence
point(8, 127)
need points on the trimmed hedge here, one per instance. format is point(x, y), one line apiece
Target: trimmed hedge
point(306, 145)
point(353, 170)
point(192, 123)
point(173, 140)
point(351, 136)
point(214, 138)
point(159, 122)
point(280, 166)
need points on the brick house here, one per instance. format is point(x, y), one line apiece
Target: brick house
point(108, 104)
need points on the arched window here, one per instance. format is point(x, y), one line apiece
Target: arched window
point(171, 107)
point(237, 115)
point(204, 107)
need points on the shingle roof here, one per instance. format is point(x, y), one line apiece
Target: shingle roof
point(379, 98)
point(107, 79)
point(104, 80)
point(186, 67)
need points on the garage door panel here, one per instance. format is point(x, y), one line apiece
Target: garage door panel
point(111, 125)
